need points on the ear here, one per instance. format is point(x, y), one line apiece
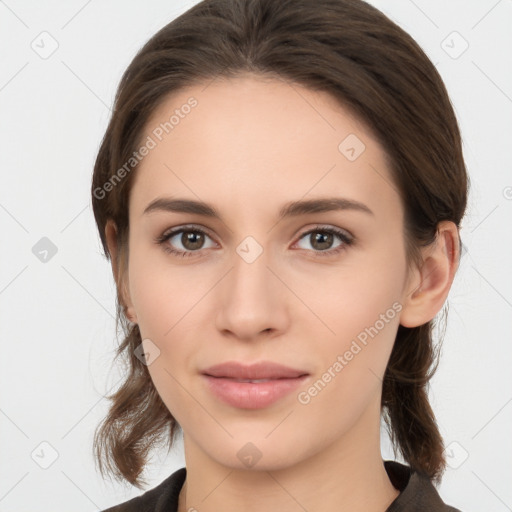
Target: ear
point(119, 271)
point(429, 286)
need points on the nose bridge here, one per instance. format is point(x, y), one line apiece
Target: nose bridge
point(250, 275)
point(251, 300)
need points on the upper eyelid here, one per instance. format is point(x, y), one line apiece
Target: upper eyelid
point(171, 232)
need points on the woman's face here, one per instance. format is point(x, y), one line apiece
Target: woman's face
point(318, 290)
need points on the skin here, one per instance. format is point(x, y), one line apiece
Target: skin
point(248, 147)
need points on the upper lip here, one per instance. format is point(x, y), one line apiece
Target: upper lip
point(260, 370)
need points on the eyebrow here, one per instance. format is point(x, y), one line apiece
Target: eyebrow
point(291, 209)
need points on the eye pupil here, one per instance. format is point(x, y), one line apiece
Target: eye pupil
point(324, 239)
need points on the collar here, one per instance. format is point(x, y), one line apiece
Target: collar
point(417, 493)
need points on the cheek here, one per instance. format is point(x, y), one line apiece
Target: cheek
point(160, 297)
point(362, 310)
point(354, 361)
point(353, 299)
point(166, 304)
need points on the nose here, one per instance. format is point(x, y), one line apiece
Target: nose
point(252, 299)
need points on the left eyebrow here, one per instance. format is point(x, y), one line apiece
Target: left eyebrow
point(326, 204)
point(291, 209)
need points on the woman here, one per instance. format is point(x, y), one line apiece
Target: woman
point(280, 190)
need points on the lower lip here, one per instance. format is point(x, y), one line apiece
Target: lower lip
point(252, 395)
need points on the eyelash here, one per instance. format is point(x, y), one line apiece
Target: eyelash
point(346, 239)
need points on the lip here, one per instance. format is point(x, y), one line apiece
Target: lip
point(259, 370)
point(226, 382)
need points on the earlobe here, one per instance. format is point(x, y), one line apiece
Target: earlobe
point(432, 283)
point(118, 271)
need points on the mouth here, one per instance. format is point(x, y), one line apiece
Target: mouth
point(252, 386)
point(261, 371)
point(246, 380)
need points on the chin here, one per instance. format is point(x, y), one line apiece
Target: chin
point(255, 453)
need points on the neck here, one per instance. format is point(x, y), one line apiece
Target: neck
point(346, 475)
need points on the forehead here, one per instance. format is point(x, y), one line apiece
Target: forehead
point(251, 141)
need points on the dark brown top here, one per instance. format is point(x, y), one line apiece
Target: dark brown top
point(417, 493)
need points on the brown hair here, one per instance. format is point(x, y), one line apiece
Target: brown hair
point(352, 51)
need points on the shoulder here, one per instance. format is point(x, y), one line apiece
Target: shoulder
point(417, 493)
point(163, 497)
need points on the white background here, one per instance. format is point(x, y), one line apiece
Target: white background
point(57, 318)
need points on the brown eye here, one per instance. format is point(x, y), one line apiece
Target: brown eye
point(192, 240)
point(322, 239)
point(184, 241)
